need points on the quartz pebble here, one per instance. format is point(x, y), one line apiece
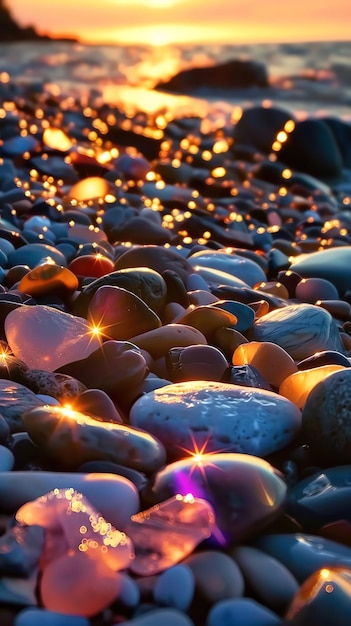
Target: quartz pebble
point(46, 338)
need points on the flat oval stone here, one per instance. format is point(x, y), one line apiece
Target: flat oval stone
point(44, 617)
point(270, 581)
point(326, 419)
point(329, 264)
point(15, 399)
point(120, 314)
point(49, 278)
point(208, 319)
point(246, 492)
point(89, 188)
point(238, 266)
point(59, 386)
point(175, 587)
point(210, 416)
point(217, 576)
point(71, 438)
point(34, 253)
point(46, 338)
point(104, 492)
point(301, 329)
point(157, 342)
point(160, 617)
point(156, 258)
point(303, 554)
point(299, 385)
point(241, 611)
point(272, 361)
point(313, 289)
point(245, 315)
point(92, 265)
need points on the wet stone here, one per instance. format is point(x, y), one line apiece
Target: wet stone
point(233, 483)
point(59, 386)
point(216, 417)
point(326, 419)
point(72, 438)
point(301, 329)
point(15, 399)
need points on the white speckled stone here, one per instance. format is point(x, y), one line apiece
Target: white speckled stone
point(217, 416)
point(301, 329)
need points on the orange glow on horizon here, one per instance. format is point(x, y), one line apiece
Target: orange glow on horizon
point(162, 22)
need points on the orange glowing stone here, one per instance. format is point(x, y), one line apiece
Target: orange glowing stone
point(48, 278)
point(56, 139)
point(298, 386)
point(272, 361)
point(89, 189)
point(92, 265)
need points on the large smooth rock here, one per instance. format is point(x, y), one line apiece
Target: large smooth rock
point(330, 264)
point(301, 329)
point(258, 126)
point(215, 417)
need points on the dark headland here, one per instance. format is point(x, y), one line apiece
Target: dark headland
point(10, 31)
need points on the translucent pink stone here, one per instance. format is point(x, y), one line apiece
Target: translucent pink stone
point(76, 585)
point(168, 532)
point(73, 526)
point(46, 338)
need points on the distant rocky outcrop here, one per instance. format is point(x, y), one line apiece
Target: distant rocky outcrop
point(10, 31)
point(235, 74)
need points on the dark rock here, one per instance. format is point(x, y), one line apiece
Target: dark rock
point(230, 75)
point(259, 127)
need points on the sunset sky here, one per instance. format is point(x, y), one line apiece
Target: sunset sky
point(167, 21)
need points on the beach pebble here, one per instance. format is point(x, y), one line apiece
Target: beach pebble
point(271, 361)
point(49, 278)
point(157, 342)
point(241, 611)
point(304, 554)
point(19, 591)
point(216, 417)
point(175, 587)
point(156, 258)
point(196, 363)
point(299, 385)
point(7, 459)
point(120, 314)
point(233, 483)
point(258, 126)
point(301, 329)
point(71, 438)
point(104, 492)
point(328, 264)
point(208, 319)
point(270, 581)
point(217, 576)
point(238, 266)
point(160, 617)
point(324, 593)
point(92, 265)
point(20, 550)
point(33, 617)
point(326, 418)
point(313, 289)
point(34, 253)
point(15, 399)
point(116, 367)
point(59, 386)
point(46, 338)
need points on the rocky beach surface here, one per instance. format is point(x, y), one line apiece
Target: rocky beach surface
point(175, 341)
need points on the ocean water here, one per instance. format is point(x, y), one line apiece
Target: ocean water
point(306, 78)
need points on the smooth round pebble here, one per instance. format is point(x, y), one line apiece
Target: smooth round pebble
point(217, 576)
point(33, 617)
point(7, 460)
point(241, 612)
point(160, 617)
point(175, 587)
